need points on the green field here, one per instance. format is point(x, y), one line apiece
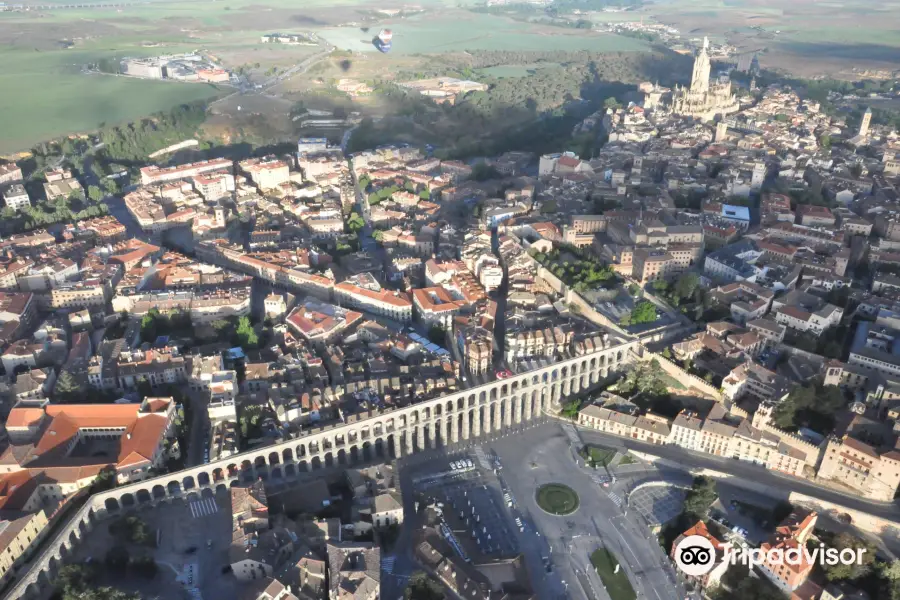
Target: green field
point(557, 499)
point(45, 96)
point(617, 585)
point(471, 31)
point(502, 71)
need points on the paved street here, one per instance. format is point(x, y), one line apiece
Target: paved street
point(779, 483)
point(543, 455)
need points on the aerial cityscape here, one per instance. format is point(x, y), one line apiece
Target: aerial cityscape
point(480, 300)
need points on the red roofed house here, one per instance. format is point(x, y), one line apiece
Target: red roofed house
point(67, 445)
point(434, 306)
point(791, 534)
point(721, 565)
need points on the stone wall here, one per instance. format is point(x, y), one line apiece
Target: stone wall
point(683, 377)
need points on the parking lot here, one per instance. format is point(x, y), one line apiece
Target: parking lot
point(658, 505)
point(472, 509)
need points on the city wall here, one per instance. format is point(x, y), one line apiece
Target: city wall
point(683, 377)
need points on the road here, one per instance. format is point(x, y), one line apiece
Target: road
point(779, 483)
point(543, 455)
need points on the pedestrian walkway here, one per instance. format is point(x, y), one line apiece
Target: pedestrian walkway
point(574, 438)
point(482, 458)
point(387, 564)
point(203, 507)
point(615, 498)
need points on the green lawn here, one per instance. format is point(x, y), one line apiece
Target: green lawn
point(627, 460)
point(470, 31)
point(45, 96)
point(598, 456)
point(617, 585)
point(557, 499)
point(671, 382)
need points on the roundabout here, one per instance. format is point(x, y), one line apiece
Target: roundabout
point(557, 499)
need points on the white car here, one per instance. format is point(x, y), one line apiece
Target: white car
point(469, 463)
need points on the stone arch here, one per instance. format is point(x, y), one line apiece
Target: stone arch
point(342, 456)
point(366, 451)
point(218, 474)
point(259, 462)
point(207, 493)
point(159, 492)
point(449, 408)
point(221, 488)
point(303, 466)
point(202, 478)
point(111, 505)
point(301, 450)
point(127, 500)
point(233, 470)
point(354, 454)
point(274, 459)
point(619, 356)
point(174, 488)
point(287, 455)
point(188, 483)
point(329, 459)
point(276, 472)
point(316, 462)
point(290, 470)
point(554, 375)
point(493, 394)
point(437, 410)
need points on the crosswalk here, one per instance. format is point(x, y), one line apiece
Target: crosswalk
point(615, 498)
point(387, 564)
point(574, 438)
point(482, 458)
point(203, 507)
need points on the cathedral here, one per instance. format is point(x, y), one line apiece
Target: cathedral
point(704, 100)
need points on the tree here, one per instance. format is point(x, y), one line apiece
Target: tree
point(686, 285)
point(144, 566)
point(95, 193)
point(660, 285)
point(117, 559)
point(643, 378)
point(825, 141)
point(853, 570)
point(548, 207)
point(815, 406)
point(422, 587)
point(67, 387)
point(246, 336)
point(612, 103)
point(482, 171)
point(643, 312)
point(699, 498)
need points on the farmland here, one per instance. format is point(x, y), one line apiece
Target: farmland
point(45, 96)
point(468, 31)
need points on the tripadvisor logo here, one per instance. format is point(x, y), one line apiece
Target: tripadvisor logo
point(695, 555)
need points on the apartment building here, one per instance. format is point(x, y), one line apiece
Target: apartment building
point(651, 265)
point(10, 173)
point(316, 322)
point(15, 197)
point(139, 432)
point(812, 215)
point(720, 565)
point(753, 379)
point(213, 186)
point(814, 322)
point(790, 535)
point(649, 428)
point(372, 298)
point(267, 173)
point(435, 306)
point(156, 174)
point(115, 368)
point(871, 472)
